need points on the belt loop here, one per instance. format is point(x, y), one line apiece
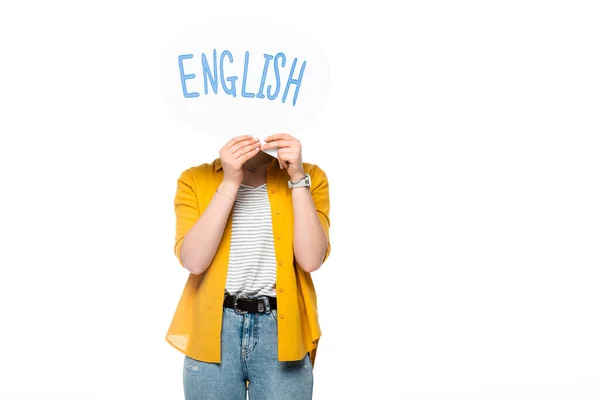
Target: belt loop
point(267, 305)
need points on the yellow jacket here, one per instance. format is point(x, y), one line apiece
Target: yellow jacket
point(195, 329)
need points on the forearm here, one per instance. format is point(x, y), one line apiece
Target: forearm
point(310, 240)
point(202, 240)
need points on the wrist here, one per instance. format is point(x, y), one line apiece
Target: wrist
point(296, 176)
point(229, 188)
point(231, 183)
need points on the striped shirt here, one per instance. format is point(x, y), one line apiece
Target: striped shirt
point(252, 265)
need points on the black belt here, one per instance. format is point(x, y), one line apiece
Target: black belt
point(243, 305)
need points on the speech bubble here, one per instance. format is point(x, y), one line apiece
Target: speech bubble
point(228, 77)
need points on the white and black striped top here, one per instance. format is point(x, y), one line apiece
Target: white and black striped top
point(252, 264)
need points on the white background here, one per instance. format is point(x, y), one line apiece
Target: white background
point(461, 144)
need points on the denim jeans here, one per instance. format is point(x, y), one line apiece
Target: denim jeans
point(248, 352)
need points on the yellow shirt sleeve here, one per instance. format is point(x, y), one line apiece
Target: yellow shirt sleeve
point(320, 195)
point(186, 210)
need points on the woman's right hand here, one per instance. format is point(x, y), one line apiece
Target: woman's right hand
point(235, 153)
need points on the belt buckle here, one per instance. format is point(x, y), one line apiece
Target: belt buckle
point(235, 299)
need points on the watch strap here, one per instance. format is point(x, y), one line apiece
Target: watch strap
point(302, 182)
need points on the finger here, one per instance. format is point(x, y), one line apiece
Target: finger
point(279, 143)
point(236, 139)
point(287, 158)
point(278, 136)
point(244, 149)
point(241, 144)
point(279, 159)
point(249, 155)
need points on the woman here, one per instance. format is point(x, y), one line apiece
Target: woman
point(250, 234)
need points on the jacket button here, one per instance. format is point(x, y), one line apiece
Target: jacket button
point(280, 315)
point(280, 290)
point(278, 237)
point(272, 190)
point(280, 262)
point(276, 212)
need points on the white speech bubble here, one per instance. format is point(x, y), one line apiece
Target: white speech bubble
point(231, 77)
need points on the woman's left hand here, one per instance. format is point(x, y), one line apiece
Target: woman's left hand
point(289, 154)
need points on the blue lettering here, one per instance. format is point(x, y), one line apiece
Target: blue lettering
point(184, 77)
point(274, 95)
point(260, 94)
point(232, 79)
point(244, 93)
point(206, 71)
point(296, 82)
point(217, 77)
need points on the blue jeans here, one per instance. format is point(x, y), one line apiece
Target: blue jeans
point(248, 352)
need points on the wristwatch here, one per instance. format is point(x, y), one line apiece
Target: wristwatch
point(303, 182)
